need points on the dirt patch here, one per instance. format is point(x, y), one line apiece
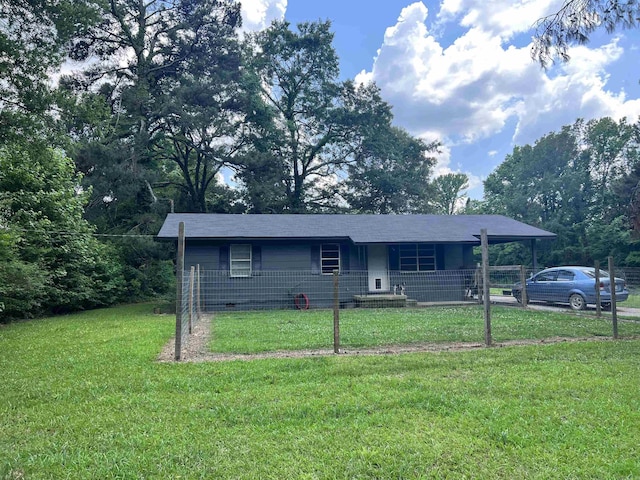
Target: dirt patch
point(196, 347)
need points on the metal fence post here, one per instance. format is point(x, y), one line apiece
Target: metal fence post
point(198, 308)
point(179, 287)
point(191, 293)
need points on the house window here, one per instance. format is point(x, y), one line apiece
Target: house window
point(330, 257)
point(417, 258)
point(240, 260)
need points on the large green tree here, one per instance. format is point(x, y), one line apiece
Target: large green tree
point(34, 39)
point(55, 263)
point(168, 72)
point(390, 174)
point(449, 192)
point(566, 183)
point(321, 130)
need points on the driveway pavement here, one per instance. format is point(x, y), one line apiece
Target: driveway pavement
point(556, 307)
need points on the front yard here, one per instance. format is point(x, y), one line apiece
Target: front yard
point(264, 331)
point(83, 397)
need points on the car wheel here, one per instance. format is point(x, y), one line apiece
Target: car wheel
point(518, 296)
point(576, 301)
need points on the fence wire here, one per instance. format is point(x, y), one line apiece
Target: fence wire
point(189, 308)
point(306, 290)
point(217, 291)
point(267, 309)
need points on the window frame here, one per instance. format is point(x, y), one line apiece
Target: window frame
point(330, 259)
point(233, 267)
point(562, 276)
point(412, 259)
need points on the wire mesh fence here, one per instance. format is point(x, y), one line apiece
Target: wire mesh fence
point(217, 291)
point(189, 309)
point(304, 290)
point(289, 310)
point(632, 276)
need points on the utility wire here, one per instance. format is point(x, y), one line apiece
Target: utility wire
point(79, 234)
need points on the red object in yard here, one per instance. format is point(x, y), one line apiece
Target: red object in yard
point(301, 301)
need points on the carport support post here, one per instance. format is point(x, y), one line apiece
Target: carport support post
point(336, 312)
point(596, 266)
point(612, 288)
point(486, 293)
point(179, 281)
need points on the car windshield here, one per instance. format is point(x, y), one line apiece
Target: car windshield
point(592, 273)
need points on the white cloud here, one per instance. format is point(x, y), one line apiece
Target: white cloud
point(502, 18)
point(470, 89)
point(258, 14)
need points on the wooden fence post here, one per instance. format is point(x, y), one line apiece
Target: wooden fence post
point(486, 293)
point(598, 305)
point(179, 281)
point(523, 282)
point(336, 312)
point(612, 288)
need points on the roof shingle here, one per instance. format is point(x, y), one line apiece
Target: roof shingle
point(361, 229)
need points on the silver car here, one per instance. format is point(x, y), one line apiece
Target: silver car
point(573, 285)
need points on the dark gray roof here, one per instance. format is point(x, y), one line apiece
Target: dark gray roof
point(360, 229)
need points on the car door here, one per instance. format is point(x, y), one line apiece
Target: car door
point(560, 289)
point(540, 286)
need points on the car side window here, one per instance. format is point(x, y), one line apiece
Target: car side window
point(565, 276)
point(546, 277)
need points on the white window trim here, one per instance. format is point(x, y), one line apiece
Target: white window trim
point(233, 262)
point(322, 258)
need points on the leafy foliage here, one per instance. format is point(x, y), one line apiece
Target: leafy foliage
point(390, 174)
point(567, 183)
point(33, 39)
point(575, 21)
point(327, 144)
point(449, 192)
point(168, 74)
point(55, 263)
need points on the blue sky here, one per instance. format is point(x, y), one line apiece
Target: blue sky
point(460, 71)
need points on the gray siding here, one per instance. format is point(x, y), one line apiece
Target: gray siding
point(277, 290)
point(357, 257)
point(203, 254)
point(285, 270)
point(468, 256)
point(453, 257)
point(286, 257)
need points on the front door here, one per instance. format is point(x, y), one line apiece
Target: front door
point(378, 268)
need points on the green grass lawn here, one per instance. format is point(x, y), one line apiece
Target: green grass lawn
point(82, 397)
point(632, 302)
point(261, 331)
